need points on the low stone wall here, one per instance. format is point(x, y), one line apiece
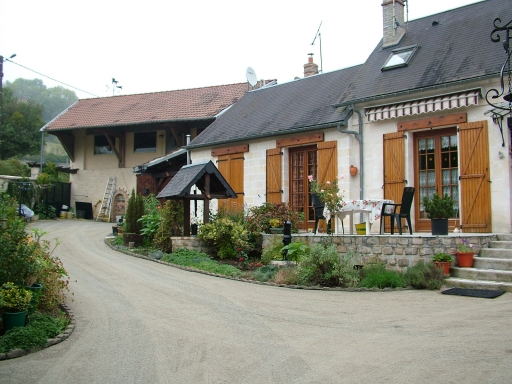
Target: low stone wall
point(397, 252)
point(193, 243)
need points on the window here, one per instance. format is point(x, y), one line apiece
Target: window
point(144, 142)
point(102, 146)
point(399, 58)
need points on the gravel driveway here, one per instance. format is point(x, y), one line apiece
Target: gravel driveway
point(141, 322)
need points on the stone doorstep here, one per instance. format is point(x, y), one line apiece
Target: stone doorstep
point(485, 274)
point(478, 284)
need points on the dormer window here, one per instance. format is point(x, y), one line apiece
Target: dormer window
point(399, 57)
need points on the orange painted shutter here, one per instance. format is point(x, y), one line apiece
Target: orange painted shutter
point(274, 175)
point(236, 180)
point(327, 161)
point(327, 166)
point(475, 189)
point(394, 169)
point(231, 166)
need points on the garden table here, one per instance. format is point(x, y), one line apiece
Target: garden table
point(371, 208)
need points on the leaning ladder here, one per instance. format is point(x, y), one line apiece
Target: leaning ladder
point(106, 204)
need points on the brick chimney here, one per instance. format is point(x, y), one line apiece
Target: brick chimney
point(393, 22)
point(310, 68)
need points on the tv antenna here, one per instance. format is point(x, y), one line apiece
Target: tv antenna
point(114, 86)
point(251, 76)
point(319, 35)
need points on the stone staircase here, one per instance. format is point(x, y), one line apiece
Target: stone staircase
point(492, 268)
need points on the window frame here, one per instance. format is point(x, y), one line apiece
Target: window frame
point(395, 52)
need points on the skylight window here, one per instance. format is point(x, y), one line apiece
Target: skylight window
point(399, 58)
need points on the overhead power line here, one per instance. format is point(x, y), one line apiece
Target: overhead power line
point(48, 77)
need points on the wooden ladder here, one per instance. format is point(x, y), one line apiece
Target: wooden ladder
point(106, 204)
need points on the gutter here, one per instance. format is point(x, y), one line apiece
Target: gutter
point(407, 92)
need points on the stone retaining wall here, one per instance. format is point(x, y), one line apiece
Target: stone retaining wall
point(398, 252)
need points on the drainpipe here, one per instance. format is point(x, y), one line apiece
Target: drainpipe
point(188, 150)
point(359, 137)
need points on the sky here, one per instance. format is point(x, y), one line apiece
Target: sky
point(153, 46)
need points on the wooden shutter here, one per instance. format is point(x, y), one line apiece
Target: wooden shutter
point(327, 167)
point(231, 166)
point(475, 189)
point(236, 180)
point(394, 169)
point(274, 175)
point(327, 161)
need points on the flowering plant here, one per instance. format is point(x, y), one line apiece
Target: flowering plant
point(329, 193)
point(14, 298)
point(274, 223)
point(465, 246)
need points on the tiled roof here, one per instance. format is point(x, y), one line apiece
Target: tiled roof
point(297, 105)
point(186, 104)
point(453, 46)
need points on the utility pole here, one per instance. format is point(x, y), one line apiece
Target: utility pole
point(2, 81)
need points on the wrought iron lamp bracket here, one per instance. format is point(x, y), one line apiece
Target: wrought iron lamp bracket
point(505, 73)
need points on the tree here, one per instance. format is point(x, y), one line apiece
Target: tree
point(54, 100)
point(19, 127)
point(14, 167)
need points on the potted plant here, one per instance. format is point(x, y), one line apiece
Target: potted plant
point(15, 302)
point(443, 261)
point(275, 226)
point(438, 210)
point(133, 226)
point(465, 254)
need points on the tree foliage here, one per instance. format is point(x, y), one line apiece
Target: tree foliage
point(20, 123)
point(53, 100)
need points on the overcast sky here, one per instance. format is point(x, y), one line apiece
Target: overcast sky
point(151, 46)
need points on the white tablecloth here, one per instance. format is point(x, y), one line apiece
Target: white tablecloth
point(371, 208)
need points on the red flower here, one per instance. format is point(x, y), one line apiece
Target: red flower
point(241, 259)
point(239, 249)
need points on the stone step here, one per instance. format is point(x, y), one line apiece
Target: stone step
point(477, 284)
point(495, 275)
point(504, 236)
point(501, 244)
point(492, 263)
point(497, 253)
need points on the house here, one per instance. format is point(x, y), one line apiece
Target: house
point(414, 114)
point(119, 136)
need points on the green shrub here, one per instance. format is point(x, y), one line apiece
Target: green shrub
point(296, 251)
point(273, 251)
point(227, 235)
point(423, 276)
point(258, 218)
point(265, 273)
point(172, 216)
point(39, 328)
point(151, 219)
point(321, 266)
point(134, 211)
point(287, 275)
point(377, 276)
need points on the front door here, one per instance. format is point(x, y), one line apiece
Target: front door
point(436, 171)
point(303, 162)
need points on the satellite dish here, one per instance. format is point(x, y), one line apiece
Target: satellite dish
point(251, 76)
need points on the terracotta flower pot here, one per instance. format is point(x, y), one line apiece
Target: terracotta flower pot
point(465, 259)
point(444, 265)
